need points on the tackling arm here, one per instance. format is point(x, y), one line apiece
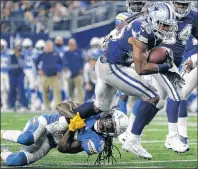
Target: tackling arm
point(68, 145)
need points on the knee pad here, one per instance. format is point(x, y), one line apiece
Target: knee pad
point(26, 138)
point(18, 159)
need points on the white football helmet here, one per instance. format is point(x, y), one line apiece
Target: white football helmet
point(163, 19)
point(112, 124)
point(182, 8)
point(120, 122)
point(4, 43)
point(40, 44)
point(135, 6)
point(27, 43)
point(94, 42)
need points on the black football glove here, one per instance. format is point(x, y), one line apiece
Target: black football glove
point(170, 59)
point(175, 79)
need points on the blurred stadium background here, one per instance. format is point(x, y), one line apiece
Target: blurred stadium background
point(27, 22)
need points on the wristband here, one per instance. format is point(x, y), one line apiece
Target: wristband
point(163, 68)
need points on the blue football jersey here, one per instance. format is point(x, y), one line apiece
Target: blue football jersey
point(92, 143)
point(28, 56)
point(4, 60)
point(186, 27)
point(51, 118)
point(119, 51)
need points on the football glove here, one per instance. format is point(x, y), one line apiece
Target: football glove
point(170, 59)
point(76, 123)
point(175, 79)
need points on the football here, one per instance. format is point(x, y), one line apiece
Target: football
point(158, 55)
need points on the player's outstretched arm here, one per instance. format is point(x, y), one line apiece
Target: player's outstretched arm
point(67, 144)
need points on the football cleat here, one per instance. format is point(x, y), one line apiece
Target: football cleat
point(173, 142)
point(133, 145)
point(185, 141)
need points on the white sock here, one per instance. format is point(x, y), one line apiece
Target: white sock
point(182, 126)
point(172, 128)
point(10, 135)
point(5, 154)
point(131, 121)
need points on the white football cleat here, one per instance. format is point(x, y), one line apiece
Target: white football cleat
point(185, 141)
point(173, 142)
point(133, 144)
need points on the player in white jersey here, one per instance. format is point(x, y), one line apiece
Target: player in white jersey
point(4, 74)
point(29, 68)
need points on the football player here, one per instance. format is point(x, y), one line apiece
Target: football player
point(187, 25)
point(131, 45)
point(189, 73)
point(133, 7)
point(41, 134)
point(29, 69)
point(4, 74)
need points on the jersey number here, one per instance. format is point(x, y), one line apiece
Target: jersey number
point(183, 36)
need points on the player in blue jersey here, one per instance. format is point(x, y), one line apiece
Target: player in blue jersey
point(42, 133)
point(133, 7)
point(186, 25)
point(131, 45)
point(4, 74)
point(189, 73)
point(29, 68)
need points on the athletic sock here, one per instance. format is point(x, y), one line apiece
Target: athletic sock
point(146, 112)
point(10, 135)
point(86, 110)
point(183, 118)
point(172, 110)
point(14, 159)
point(122, 105)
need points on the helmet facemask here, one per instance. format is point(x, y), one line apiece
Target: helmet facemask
point(164, 29)
point(105, 126)
point(135, 6)
point(181, 8)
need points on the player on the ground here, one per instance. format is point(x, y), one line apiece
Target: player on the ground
point(4, 74)
point(41, 134)
point(131, 45)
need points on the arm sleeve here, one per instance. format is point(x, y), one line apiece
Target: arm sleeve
point(86, 73)
point(139, 32)
point(194, 59)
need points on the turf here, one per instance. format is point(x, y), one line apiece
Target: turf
point(153, 140)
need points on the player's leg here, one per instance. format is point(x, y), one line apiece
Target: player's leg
point(28, 155)
point(20, 86)
point(45, 89)
point(191, 83)
point(172, 109)
point(34, 128)
point(4, 90)
point(12, 92)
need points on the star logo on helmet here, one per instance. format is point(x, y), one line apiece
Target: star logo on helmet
point(156, 9)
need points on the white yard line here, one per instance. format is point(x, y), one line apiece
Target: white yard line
point(116, 141)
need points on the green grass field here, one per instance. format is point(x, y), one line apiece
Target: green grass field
point(153, 140)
